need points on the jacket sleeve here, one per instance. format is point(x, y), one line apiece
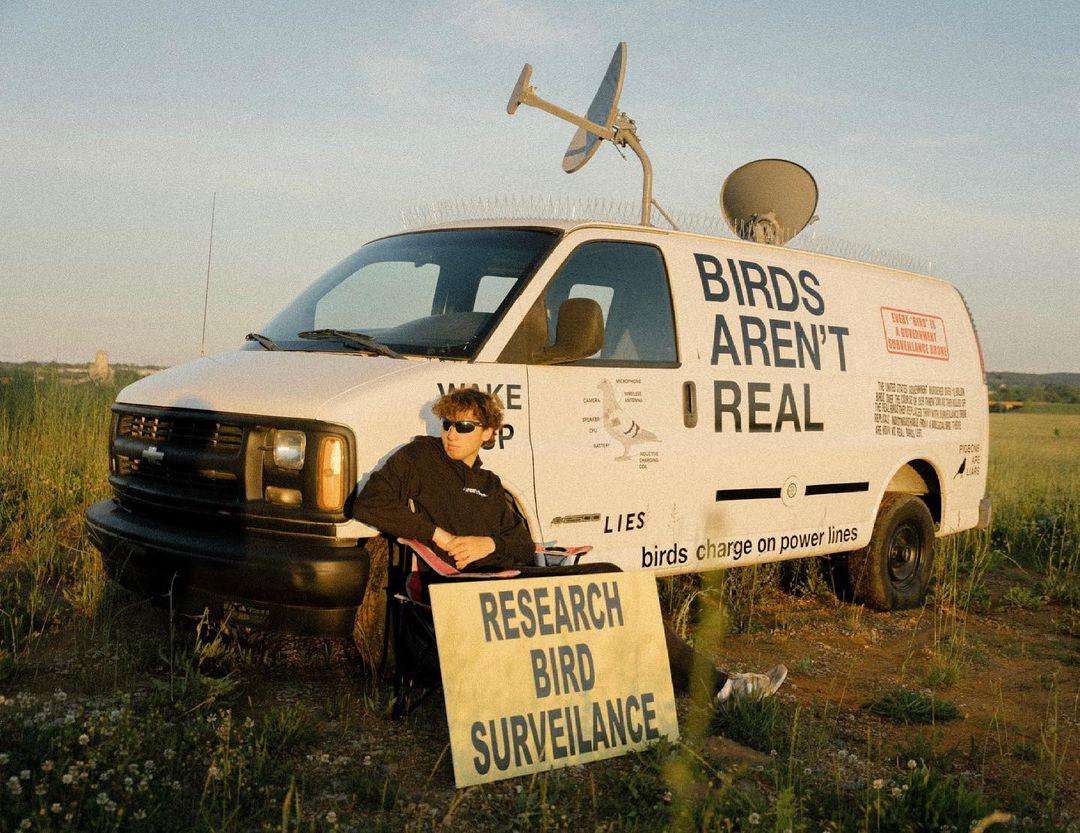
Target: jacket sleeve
point(384, 501)
point(514, 545)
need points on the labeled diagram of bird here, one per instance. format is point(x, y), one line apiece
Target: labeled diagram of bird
point(620, 426)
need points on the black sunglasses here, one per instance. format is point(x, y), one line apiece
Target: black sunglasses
point(462, 426)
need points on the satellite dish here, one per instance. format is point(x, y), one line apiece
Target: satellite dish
point(769, 200)
point(605, 105)
point(603, 121)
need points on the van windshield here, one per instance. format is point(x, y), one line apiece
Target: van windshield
point(435, 293)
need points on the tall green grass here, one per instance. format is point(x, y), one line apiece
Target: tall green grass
point(53, 463)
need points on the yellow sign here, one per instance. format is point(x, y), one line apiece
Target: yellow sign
point(548, 672)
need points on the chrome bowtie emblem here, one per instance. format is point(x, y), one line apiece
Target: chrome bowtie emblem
point(152, 454)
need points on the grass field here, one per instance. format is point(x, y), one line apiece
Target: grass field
point(114, 717)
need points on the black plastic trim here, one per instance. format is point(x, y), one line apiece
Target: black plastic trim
point(279, 584)
point(251, 464)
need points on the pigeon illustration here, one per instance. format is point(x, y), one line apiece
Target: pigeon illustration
point(960, 471)
point(619, 425)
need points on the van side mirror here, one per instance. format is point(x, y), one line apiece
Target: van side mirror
point(579, 332)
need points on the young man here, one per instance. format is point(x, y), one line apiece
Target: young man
point(462, 510)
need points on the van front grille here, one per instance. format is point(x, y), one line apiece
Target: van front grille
point(209, 482)
point(179, 457)
point(193, 433)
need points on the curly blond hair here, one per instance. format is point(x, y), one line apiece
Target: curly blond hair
point(487, 406)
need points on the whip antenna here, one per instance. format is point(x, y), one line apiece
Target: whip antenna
point(206, 294)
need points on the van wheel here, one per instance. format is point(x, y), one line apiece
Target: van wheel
point(894, 571)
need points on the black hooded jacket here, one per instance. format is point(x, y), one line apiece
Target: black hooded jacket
point(447, 494)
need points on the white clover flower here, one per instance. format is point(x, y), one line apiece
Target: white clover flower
point(754, 818)
point(128, 782)
point(324, 758)
point(55, 807)
point(3, 757)
point(139, 815)
point(331, 817)
point(14, 787)
point(24, 775)
point(896, 792)
point(69, 718)
point(102, 798)
point(39, 789)
point(67, 778)
point(60, 695)
point(169, 754)
point(24, 824)
point(911, 764)
point(213, 772)
point(84, 739)
point(878, 783)
point(46, 766)
point(110, 807)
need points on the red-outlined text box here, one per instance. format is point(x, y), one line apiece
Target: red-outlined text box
point(910, 333)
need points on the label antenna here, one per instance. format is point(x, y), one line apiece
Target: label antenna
point(206, 294)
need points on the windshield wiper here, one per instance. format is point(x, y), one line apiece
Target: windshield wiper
point(265, 341)
point(359, 340)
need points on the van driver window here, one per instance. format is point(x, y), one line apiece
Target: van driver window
point(629, 282)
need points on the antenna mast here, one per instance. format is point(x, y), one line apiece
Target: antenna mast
point(206, 294)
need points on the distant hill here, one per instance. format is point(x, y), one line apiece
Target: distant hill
point(1034, 387)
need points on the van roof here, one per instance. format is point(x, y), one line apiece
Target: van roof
point(567, 225)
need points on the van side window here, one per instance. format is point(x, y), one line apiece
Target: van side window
point(629, 282)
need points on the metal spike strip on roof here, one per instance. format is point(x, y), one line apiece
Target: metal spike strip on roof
point(602, 209)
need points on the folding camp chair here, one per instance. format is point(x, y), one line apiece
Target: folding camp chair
point(409, 621)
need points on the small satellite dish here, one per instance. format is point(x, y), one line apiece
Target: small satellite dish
point(605, 105)
point(518, 95)
point(769, 200)
point(603, 121)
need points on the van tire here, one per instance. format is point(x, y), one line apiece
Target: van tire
point(894, 571)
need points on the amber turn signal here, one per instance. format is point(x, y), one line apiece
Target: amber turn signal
point(330, 486)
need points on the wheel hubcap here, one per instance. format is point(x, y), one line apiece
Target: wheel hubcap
point(905, 554)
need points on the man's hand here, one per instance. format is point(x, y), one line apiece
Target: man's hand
point(442, 538)
point(465, 549)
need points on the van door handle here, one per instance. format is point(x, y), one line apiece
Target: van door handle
point(689, 404)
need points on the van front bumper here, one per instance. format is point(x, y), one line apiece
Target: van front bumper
point(292, 584)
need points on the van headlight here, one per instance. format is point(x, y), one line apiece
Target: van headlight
point(289, 449)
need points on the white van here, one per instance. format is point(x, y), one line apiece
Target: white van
point(675, 401)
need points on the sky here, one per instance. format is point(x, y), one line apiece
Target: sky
point(946, 131)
